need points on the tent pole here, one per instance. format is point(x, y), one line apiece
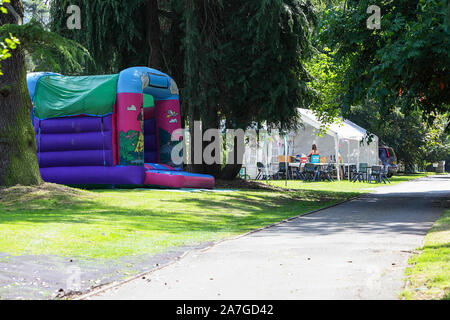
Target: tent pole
point(336, 149)
point(285, 159)
point(266, 151)
point(359, 142)
point(348, 159)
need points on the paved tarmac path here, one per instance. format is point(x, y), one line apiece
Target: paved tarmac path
point(357, 250)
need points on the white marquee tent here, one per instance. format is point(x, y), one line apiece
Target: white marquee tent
point(344, 139)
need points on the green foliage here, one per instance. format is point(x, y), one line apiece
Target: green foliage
point(327, 77)
point(390, 81)
point(5, 46)
point(411, 137)
point(437, 141)
point(227, 63)
point(405, 63)
point(2, 8)
point(244, 62)
point(8, 43)
point(112, 31)
point(49, 47)
point(36, 10)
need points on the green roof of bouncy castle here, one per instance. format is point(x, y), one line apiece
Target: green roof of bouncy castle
point(62, 96)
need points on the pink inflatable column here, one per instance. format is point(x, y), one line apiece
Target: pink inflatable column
point(168, 120)
point(129, 119)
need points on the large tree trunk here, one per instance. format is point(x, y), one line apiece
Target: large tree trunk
point(18, 161)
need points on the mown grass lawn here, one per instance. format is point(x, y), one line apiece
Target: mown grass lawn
point(112, 223)
point(429, 275)
point(58, 220)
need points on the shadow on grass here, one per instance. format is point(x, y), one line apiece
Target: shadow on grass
point(210, 212)
point(170, 212)
point(161, 214)
point(437, 246)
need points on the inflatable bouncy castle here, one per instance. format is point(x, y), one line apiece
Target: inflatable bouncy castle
point(109, 129)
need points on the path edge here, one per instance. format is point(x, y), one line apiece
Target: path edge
point(113, 285)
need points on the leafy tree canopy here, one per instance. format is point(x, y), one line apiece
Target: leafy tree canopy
point(414, 140)
point(48, 47)
point(245, 61)
point(234, 61)
point(405, 63)
point(112, 31)
point(8, 43)
point(327, 77)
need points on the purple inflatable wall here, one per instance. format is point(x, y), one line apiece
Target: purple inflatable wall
point(94, 175)
point(79, 150)
point(150, 142)
point(74, 141)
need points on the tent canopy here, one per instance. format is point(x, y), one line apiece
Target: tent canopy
point(61, 96)
point(343, 138)
point(345, 129)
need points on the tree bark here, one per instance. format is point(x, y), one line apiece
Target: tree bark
point(18, 161)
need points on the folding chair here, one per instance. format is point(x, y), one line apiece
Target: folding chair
point(281, 174)
point(384, 174)
point(325, 172)
point(376, 173)
point(311, 174)
point(299, 175)
point(349, 172)
point(361, 174)
point(261, 171)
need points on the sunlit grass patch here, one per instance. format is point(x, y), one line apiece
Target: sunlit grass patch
point(429, 274)
point(54, 219)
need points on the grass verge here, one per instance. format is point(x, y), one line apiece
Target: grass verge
point(428, 276)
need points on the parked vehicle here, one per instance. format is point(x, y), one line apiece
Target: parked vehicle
point(389, 159)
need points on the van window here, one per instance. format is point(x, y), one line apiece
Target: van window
point(382, 153)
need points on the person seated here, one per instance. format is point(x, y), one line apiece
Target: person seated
point(313, 151)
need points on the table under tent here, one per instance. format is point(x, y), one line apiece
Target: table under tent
point(109, 129)
point(343, 140)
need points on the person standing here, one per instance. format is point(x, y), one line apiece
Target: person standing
point(312, 152)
